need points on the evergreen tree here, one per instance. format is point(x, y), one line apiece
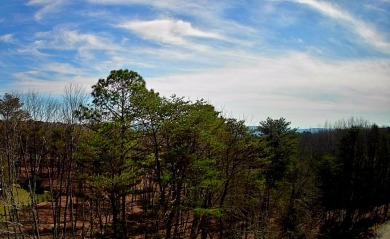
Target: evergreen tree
point(108, 154)
point(280, 142)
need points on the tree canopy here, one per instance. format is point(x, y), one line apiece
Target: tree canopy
point(131, 163)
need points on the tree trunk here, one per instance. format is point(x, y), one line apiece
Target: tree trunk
point(115, 212)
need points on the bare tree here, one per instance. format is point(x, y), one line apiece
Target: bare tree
point(12, 114)
point(73, 97)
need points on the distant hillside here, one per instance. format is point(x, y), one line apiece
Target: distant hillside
point(310, 130)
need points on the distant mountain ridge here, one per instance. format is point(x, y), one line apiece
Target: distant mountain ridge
point(308, 130)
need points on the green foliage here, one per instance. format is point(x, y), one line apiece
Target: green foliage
point(191, 171)
point(107, 153)
point(21, 197)
point(11, 108)
point(280, 142)
point(215, 212)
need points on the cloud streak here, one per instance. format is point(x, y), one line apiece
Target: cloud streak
point(8, 38)
point(368, 33)
point(40, 80)
point(291, 85)
point(168, 31)
point(48, 7)
point(87, 45)
point(66, 39)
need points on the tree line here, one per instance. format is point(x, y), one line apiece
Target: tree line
point(129, 163)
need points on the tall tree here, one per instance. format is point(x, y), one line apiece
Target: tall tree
point(280, 143)
point(108, 153)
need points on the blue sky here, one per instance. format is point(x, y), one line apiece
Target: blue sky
point(305, 60)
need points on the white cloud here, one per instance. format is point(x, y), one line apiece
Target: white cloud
point(69, 39)
point(289, 86)
point(31, 51)
point(173, 5)
point(305, 90)
point(201, 12)
point(200, 9)
point(63, 68)
point(87, 45)
point(7, 38)
point(91, 41)
point(34, 81)
point(121, 2)
point(49, 6)
point(175, 32)
point(367, 32)
point(205, 20)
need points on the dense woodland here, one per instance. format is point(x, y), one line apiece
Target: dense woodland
point(128, 163)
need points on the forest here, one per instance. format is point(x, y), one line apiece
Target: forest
point(125, 162)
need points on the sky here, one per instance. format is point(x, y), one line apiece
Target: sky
point(308, 61)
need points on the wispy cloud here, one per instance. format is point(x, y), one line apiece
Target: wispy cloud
point(210, 13)
point(86, 44)
point(119, 1)
point(63, 68)
point(65, 39)
point(7, 38)
point(177, 26)
point(367, 32)
point(48, 7)
point(38, 80)
point(291, 85)
point(173, 5)
point(168, 31)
